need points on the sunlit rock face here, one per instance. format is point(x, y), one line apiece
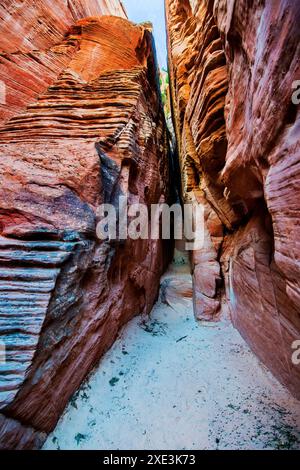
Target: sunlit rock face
point(31, 56)
point(233, 65)
point(91, 130)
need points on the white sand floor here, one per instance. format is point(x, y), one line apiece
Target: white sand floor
point(172, 383)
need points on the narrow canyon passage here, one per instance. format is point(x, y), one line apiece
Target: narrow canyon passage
point(114, 115)
point(172, 383)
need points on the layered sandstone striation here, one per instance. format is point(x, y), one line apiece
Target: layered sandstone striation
point(233, 65)
point(94, 131)
point(31, 56)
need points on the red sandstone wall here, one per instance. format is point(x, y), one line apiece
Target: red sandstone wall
point(233, 65)
point(95, 133)
point(31, 50)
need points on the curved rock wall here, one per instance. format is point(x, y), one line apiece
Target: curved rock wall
point(233, 65)
point(95, 131)
point(31, 56)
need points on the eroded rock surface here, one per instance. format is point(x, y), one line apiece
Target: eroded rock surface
point(95, 131)
point(31, 56)
point(233, 65)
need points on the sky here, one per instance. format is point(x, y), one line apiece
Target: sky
point(139, 11)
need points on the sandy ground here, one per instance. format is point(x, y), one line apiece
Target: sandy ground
point(171, 383)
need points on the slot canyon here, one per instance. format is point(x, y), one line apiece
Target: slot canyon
point(138, 343)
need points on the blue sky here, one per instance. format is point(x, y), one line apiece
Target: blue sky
point(139, 11)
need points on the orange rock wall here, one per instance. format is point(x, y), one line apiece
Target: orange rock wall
point(31, 51)
point(96, 131)
point(233, 64)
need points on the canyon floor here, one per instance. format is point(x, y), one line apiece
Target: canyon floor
point(172, 383)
